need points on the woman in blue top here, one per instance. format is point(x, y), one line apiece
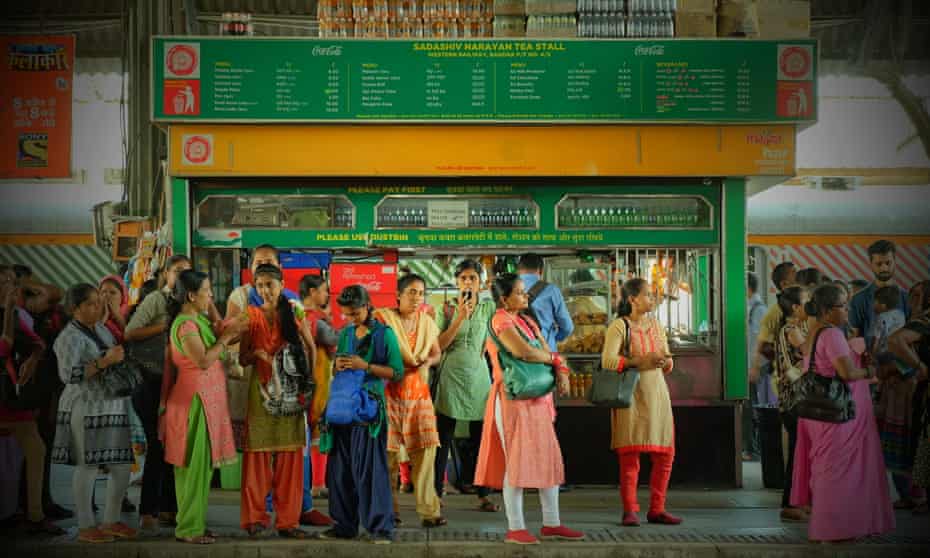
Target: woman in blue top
point(357, 472)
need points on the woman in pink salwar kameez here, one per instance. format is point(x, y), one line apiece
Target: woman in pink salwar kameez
point(839, 469)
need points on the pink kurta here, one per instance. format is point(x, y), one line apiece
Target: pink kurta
point(533, 458)
point(839, 468)
point(210, 386)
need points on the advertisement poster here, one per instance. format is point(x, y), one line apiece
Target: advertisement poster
point(35, 106)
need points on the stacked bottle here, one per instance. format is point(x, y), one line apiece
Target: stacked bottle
point(336, 20)
point(650, 18)
point(551, 18)
point(509, 18)
point(629, 215)
point(502, 217)
point(602, 18)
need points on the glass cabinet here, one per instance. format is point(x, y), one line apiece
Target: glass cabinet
point(275, 211)
point(587, 211)
point(586, 289)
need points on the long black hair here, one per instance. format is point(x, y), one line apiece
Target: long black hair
point(285, 313)
point(78, 295)
point(309, 282)
point(823, 299)
point(354, 297)
point(787, 299)
point(188, 282)
point(503, 286)
point(629, 288)
point(172, 261)
point(924, 303)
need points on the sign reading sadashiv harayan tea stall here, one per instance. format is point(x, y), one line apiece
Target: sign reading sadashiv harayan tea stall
point(306, 80)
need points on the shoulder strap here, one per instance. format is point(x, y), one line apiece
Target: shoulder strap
point(92, 335)
point(626, 339)
point(536, 289)
point(377, 338)
point(813, 357)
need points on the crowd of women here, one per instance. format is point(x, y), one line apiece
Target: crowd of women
point(836, 474)
point(272, 379)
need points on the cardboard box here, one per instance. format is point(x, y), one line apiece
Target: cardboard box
point(764, 19)
point(695, 24)
point(703, 6)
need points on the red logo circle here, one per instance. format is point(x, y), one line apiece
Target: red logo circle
point(182, 60)
point(197, 150)
point(795, 62)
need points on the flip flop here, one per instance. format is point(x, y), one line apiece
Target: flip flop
point(202, 539)
point(488, 506)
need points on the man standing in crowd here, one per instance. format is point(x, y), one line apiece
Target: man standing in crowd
point(545, 300)
point(755, 311)
point(862, 306)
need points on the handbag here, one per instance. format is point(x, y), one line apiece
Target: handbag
point(522, 379)
point(350, 401)
point(821, 398)
point(289, 391)
point(612, 389)
point(115, 381)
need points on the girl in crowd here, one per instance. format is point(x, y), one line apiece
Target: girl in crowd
point(464, 380)
point(197, 432)
point(115, 298)
point(93, 430)
point(272, 457)
point(519, 448)
point(838, 468)
point(146, 329)
point(357, 472)
point(411, 415)
point(647, 425)
point(314, 293)
point(787, 364)
point(911, 347)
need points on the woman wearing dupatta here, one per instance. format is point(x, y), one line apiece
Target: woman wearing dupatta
point(411, 417)
point(115, 298)
point(196, 429)
point(273, 457)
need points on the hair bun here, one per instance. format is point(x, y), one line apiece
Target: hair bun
point(811, 308)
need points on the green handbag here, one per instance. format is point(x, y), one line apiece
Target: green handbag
point(522, 379)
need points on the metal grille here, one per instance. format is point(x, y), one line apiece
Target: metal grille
point(685, 283)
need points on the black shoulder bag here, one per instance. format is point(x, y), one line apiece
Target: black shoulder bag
point(821, 398)
point(114, 381)
point(613, 389)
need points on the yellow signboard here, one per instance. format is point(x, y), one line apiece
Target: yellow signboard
point(248, 150)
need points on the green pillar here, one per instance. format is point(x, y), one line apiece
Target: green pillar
point(735, 381)
point(179, 210)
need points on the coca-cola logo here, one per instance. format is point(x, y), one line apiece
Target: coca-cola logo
point(651, 50)
point(332, 50)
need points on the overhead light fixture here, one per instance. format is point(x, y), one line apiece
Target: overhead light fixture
point(833, 183)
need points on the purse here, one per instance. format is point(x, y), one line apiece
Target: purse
point(522, 379)
point(114, 381)
point(350, 401)
point(612, 389)
point(821, 398)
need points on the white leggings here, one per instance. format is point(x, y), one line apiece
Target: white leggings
point(86, 475)
point(513, 496)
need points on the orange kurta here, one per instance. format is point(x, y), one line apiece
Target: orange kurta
point(533, 457)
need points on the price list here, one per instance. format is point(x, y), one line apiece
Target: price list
point(494, 80)
point(287, 98)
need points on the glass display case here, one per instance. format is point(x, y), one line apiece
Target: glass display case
point(457, 212)
point(275, 211)
point(591, 211)
point(586, 289)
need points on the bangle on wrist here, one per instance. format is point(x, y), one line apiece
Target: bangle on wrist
point(621, 365)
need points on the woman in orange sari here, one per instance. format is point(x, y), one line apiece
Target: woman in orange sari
point(519, 448)
point(274, 444)
point(411, 417)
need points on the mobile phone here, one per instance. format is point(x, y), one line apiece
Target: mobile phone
point(344, 355)
point(466, 296)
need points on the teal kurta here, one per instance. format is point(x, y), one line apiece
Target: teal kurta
point(464, 378)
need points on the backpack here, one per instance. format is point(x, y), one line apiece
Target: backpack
point(289, 391)
point(534, 291)
point(350, 402)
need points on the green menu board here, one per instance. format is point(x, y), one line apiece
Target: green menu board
point(316, 80)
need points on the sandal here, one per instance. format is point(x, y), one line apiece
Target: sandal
point(202, 539)
point(292, 533)
point(254, 530)
point(435, 522)
point(488, 506)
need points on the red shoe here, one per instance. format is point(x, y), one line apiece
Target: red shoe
point(664, 518)
point(315, 518)
point(520, 537)
point(630, 519)
point(119, 530)
point(561, 533)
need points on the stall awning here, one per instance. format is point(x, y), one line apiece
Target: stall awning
point(61, 265)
